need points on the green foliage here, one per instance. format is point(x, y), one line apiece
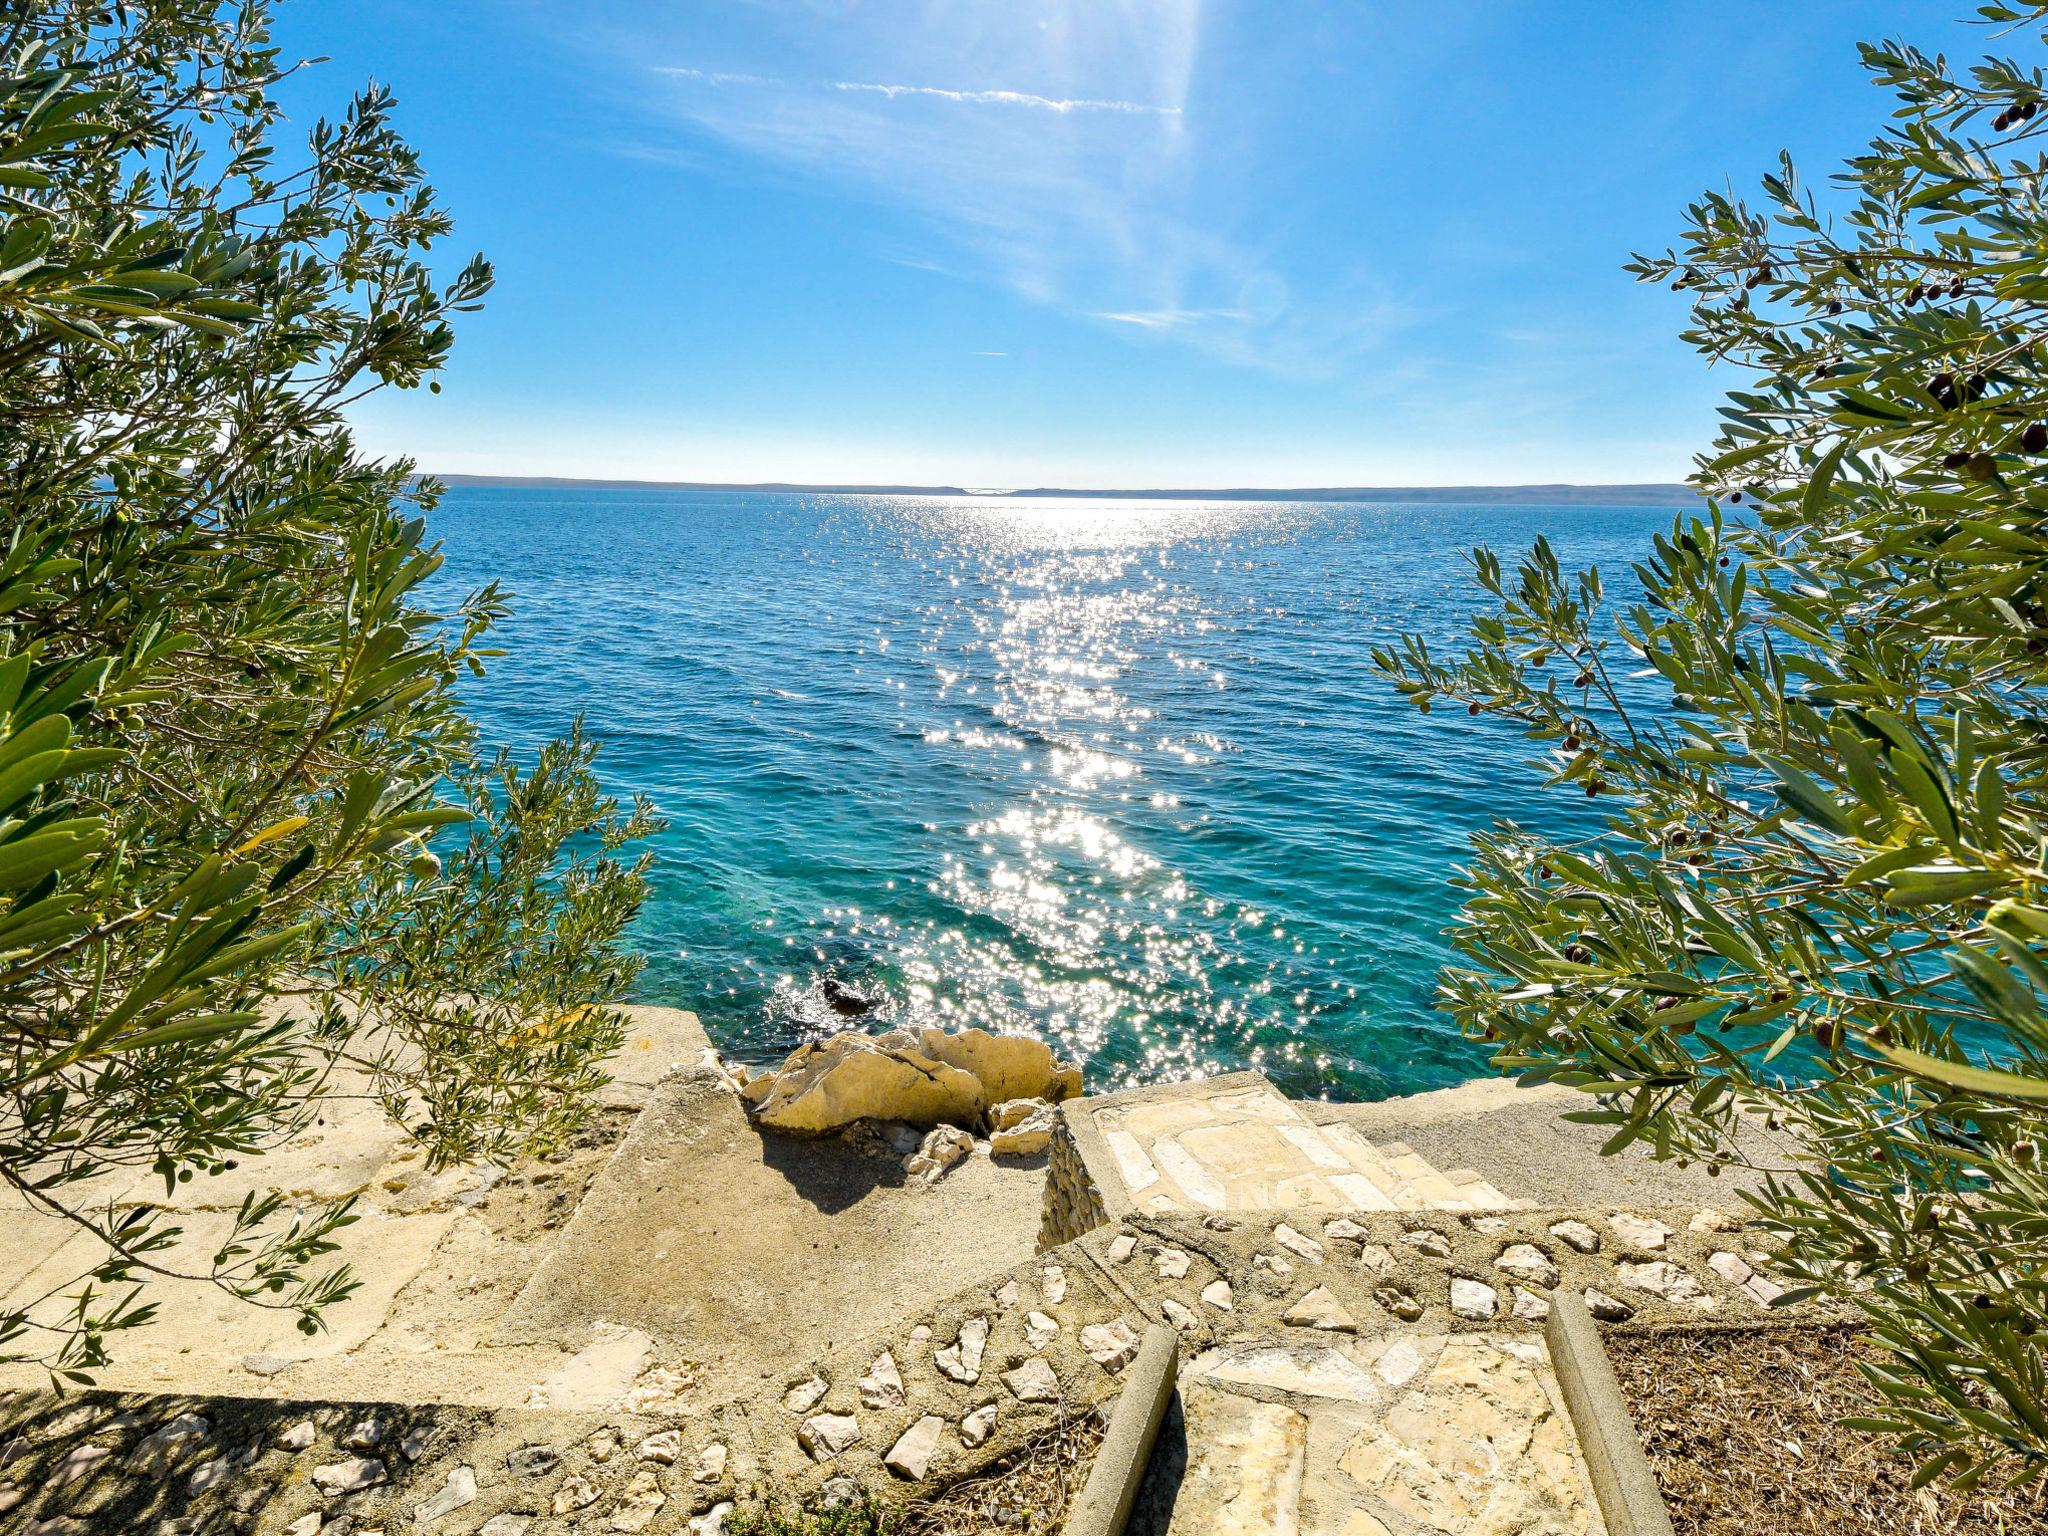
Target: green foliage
point(1820, 903)
point(228, 725)
point(856, 1518)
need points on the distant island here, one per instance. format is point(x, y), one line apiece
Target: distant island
point(1662, 495)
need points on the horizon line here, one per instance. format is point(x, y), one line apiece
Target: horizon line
point(1632, 493)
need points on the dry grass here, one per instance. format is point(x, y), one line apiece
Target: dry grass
point(1741, 1428)
point(1026, 1495)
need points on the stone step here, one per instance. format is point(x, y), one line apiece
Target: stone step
point(1234, 1143)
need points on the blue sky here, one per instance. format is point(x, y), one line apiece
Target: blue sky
point(1086, 242)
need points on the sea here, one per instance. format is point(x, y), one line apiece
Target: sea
point(1117, 772)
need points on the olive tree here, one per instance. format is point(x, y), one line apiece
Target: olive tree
point(248, 839)
point(1816, 719)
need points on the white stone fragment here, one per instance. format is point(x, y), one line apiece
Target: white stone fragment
point(1607, 1308)
point(577, 1492)
point(1040, 1330)
point(978, 1425)
point(1052, 1280)
point(1273, 1263)
point(504, 1525)
point(882, 1387)
point(661, 1449)
point(1120, 1250)
point(912, 1453)
point(961, 1359)
point(711, 1461)
point(1473, 1299)
point(1659, 1278)
point(1530, 1307)
point(1577, 1236)
point(1172, 1263)
point(168, 1444)
point(1376, 1260)
point(1033, 1382)
point(710, 1523)
point(349, 1476)
point(1527, 1262)
point(1301, 1247)
point(805, 1395)
point(1110, 1345)
point(1344, 1229)
point(1639, 1231)
point(1217, 1294)
point(458, 1490)
point(1320, 1308)
point(296, 1437)
point(1005, 1295)
point(640, 1503)
point(1183, 1318)
point(1428, 1240)
point(825, 1435)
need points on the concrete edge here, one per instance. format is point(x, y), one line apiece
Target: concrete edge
point(1622, 1480)
point(1112, 1486)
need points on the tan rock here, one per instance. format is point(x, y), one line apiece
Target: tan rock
point(825, 1435)
point(1182, 1317)
point(1007, 1066)
point(576, 1492)
point(1576, 1235)
point(882, 1387)
point(710, 1466)
point(1014, 1112)
point(978, 1425)
point(1110, 1345)
point(1033, 1382)
point(1026, 1138)
point(1528, 1263)
point(805, 1395)
point(1320, 1308)
point(831, 1083)
point(1217, 1294)
point(1040, 1330)
point(1295, 1243)
point(1052, 1284)
point(911, 1455)
point(1639, 1231)
point(640, 1503)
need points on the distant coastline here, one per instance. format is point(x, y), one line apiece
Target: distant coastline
point(1560, 495)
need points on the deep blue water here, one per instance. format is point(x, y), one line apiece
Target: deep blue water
point(1118, 772)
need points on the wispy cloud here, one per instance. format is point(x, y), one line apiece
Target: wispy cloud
point(1167, 319)
point(1061, 158)
point(1008, 99)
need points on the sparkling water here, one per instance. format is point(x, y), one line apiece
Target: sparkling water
point(1118, 772)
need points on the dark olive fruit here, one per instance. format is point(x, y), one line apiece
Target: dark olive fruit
point(1914, 294)
point(1981, 466)
point(1827, 1034)
point(1736, 496)
point(1943, 387)
point(2035, 438)
point(1578, 954)
point(1471, 709)
point(1680, 837)
point(1955, 459)
point(1543, 872)
point(1593, 787)
point(1571, 743)
point(1955, 289)
point(1973, 386)
point(2024, 1152)
point(2001, 122)
point(1723, 562)
point(1583, 680)
point(2027, 110)
point(1667, 1001)
point(1834, 306)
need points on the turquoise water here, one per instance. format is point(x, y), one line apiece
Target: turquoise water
point(1118, 772)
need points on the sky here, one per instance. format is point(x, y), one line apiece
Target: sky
point(1103, 243)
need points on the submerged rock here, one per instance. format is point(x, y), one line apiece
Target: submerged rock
point(844, 997)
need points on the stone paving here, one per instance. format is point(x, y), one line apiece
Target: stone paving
point(1234, 1144)
point(1365, 1372)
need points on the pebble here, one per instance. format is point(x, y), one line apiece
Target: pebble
point(1344, 1229)
point(1053, 1284)
point(1428, 1240)
point(1006, 1297)
point(662, 1449)
point(1659, 1278)
point(1376, 1260)
point(1639, 1231)
point(365, 1435)
point(305, 1525)
point(1525, 1261)
point(882, 1387)
point(1473, 1299)
point(1301, 1247)
point(416, 1441)
point(710, 1463)
point(267, 1365)
point(1273, 1263)
point(1530, 1307)
point(1217, 1294)
point(711, 1522)
point(211, 1474)
point(76, 1463)
point(458, 1490)
point(168, 1444)
point(532, 1461)
point(640, 1503)
point(504, 1525)
point(806, 1395)
point(961, 1359)
point(297, 1437)
point(838, 1491)
point(1606, 1308)
point(577, 1492)
point(825, 1435)
point(1576, 1235)
point(602, 1445)
point(351, 1476)
point(1122, 1248)
point(1039, 1330)
point(1711, 1220)
point(912, 1453)
point(1110, 1345)
point(978, 1425)
point(1398, 1302)
point(1181, 1317)
point(1173, 1264)
point(1033, 1382)
point(1320, 1308)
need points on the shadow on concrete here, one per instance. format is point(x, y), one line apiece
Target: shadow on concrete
point(828, 1173)
point(1158, 1493)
